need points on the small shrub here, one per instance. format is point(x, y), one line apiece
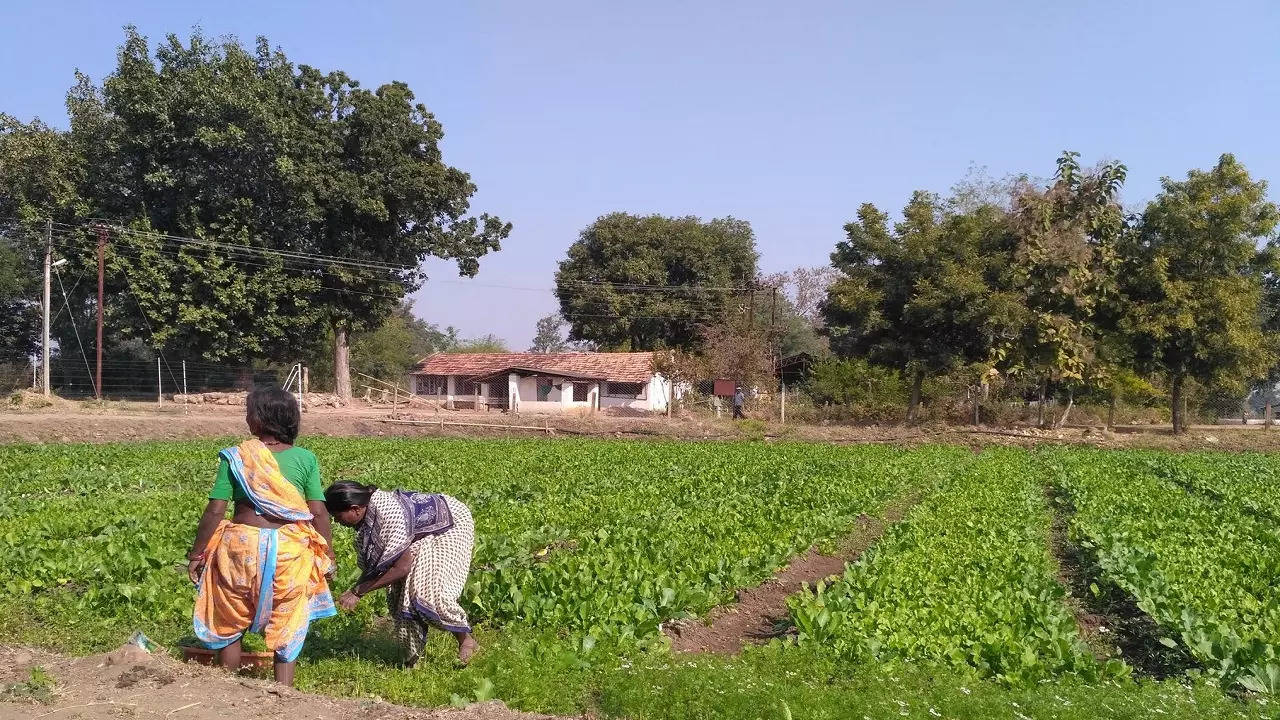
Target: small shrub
point(856, 382)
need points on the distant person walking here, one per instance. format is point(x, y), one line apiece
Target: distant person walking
point(739, 399)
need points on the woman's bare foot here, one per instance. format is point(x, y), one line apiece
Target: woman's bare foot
point(467, 647)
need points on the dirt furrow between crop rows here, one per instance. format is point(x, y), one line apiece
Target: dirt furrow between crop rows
point(1073, 574)
point(1110, 621)
point(760, 612)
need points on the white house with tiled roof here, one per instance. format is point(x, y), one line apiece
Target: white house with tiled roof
point(542, 382)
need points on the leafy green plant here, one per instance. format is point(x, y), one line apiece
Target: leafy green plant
point(38, 687)
point(634, 534)
point(585, 548)
point(856, 382)
point(484, 692)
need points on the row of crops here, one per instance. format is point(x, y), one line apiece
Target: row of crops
point(585, 544)
point(1191, 542)
point(966, 580)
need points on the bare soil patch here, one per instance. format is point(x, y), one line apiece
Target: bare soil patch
point(131, 683)
point(760, 613)
point(34, 419)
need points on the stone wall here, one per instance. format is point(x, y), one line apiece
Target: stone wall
point(311, 400)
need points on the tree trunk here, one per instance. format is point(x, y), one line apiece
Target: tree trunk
point(1071, 400)
point(342, 362)
point(1044, 391)
point(1179, 422)
point(913, 410)
point(1111, 412)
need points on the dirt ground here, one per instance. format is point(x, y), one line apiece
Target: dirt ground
point(65, 421)
point(131, 683)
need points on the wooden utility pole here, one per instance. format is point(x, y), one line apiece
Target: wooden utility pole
point(44, 337)
point(102, 256)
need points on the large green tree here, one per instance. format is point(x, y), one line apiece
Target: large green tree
point(384, 198)
point(195, 144)
point(1196, 290)
point(223, 145)
point(1063, 268)
point(924, 296)
point(644, 282)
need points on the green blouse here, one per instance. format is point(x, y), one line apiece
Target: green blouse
point(298, 465)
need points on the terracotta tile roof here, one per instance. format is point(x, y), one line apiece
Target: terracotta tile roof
point(618, 367)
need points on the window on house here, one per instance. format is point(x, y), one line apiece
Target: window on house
point(433, 385)
point(581, 391)
point(544, 389)
point(624, 390)
point(465, 386)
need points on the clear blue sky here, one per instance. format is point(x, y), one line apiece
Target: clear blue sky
point(788, 115)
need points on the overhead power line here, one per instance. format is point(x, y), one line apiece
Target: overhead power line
point(695, 303)
point(316, 259)
point(231, 247)
point(707, 307)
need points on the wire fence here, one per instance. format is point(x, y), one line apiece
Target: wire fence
point(132, 378)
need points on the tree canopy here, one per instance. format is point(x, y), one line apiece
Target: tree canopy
point(264, 206)
point(1062, 268)
point(548, 336)
point(924, 296)
point(645, 282)
point(40, 175)
point(1195, 296)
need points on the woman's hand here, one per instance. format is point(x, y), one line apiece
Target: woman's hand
point(348, 601)
point(194, 568)
point(333, 566)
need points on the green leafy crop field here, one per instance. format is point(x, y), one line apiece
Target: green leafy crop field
point(966, 579)
point(586, 548)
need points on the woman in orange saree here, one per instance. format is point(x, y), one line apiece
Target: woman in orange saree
point(265, 570)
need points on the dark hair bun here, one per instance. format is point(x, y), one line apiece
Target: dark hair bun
point(273, 411)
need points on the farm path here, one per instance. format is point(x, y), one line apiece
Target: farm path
point(1073, 574)
point(756, 615)
point(131, 683)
